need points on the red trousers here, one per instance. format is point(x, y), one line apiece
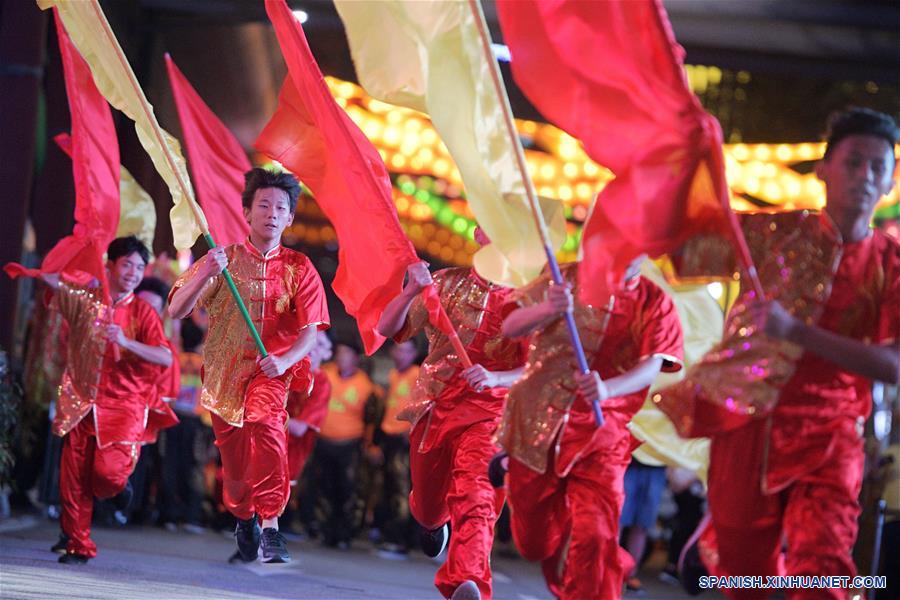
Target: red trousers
point(816, 515)
point(571, 523)
point(299, 449)
point(254, 457)
point(86, 471)
point(450, 483)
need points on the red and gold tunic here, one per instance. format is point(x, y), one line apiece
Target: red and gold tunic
point(476, 309)
point(544, 407)
point(93, 379)
point(283, 294)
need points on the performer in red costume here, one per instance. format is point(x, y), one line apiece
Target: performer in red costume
point(786, 459)
point(454, 415)
point(565, 478)
point(307, 409)
point(116, 352)
point(165, 389)
point(247, 396)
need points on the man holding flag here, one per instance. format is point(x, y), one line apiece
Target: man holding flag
point(246, 395)
point(117, 350)
point(454, 413)
point(786, 459)
point(566, 474)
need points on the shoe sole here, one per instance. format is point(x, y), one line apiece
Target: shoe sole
point(274, 560)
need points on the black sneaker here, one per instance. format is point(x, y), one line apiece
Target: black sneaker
point(496, 470)
point(60, 546)
point(274, 547)
point(246, 534)
point(432, 542)
point(70, 558)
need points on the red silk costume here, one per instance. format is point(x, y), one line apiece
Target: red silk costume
point(163, 392)
point(451, 441)
point(284, 295)
point(565, 474)
point(102, 406)
point(794, 472)
point(311, 408)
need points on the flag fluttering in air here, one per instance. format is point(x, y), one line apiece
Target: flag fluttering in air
point(216, 160)
point(94, 149)
point(137, 212)
point(91, 34)
point(427, 56)
point(315, 139)
point(611, 74)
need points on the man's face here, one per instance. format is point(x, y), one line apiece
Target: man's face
point(269, 214)
point(404, 355)
point(346, 358)
point(153, 300)
point(859, 170)
point(125, 273)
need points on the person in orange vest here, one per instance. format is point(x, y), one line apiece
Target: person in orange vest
point(392, 513)
point(347, 429)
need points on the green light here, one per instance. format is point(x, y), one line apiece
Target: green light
point(408, 188)
point(460, 225)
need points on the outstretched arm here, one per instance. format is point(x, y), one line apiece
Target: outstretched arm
point(523, 321)
point(394, 315)
point(185, 298)
point(480, 378)
point(633, 380)
point(275, 365)
point(879, 362)
point(157, 355)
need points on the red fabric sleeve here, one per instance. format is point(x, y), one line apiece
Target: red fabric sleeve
point(888, 329)
point(661, 333)
point(309, 299)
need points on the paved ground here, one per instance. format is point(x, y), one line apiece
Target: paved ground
point(145, 563)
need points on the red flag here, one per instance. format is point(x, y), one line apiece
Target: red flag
point(611, 74)
point(216, 159)
point(95, 165)
point(313, 137)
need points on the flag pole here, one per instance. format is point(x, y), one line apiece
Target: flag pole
point(530, 193)
point(185, 189)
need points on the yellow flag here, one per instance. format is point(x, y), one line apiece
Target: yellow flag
point(137, 213)
point(427, 55)
point(90, 32)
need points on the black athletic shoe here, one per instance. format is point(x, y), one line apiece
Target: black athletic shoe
point(432, 542)
point(496, 470)
point(247, 534)
point(73, 559)
point(274, 547)
point(60, 546)
point(122, 500)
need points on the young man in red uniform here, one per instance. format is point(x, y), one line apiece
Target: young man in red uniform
point(565, 479)
point(246, 396)
point(786, 459)
point(454, 415)
point(116, 352)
